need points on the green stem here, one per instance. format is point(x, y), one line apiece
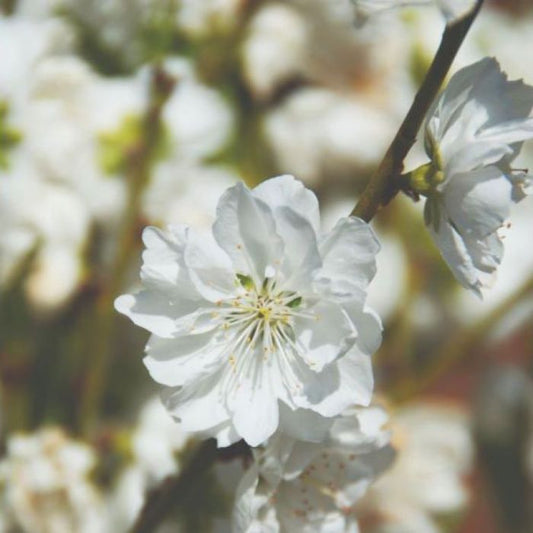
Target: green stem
point(175, 490)
point(138, 169)
point(451, 352)
point(384, 184)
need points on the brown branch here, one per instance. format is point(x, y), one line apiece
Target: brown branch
point(174, 490)
point(384, 184)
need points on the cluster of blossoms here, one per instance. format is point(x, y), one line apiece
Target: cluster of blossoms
point(45, 486)
point(260, 330)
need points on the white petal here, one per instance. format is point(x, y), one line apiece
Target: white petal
point(481, 118)
point(455, 253)
point(246, 230)
point(301, 257)
point(509, 132)
point(209, 268)
point(152, 311)
point(162, 255)
point(180, 361)
point(354, 387)
point(303, 424)
point(324, 336)
point(478, 202)
point(199, 406)
point(285, 191)
point(248, 503)
point(367, 325)
point(255, 408)
point(348, 254)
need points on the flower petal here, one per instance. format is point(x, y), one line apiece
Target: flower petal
point(301, 257)
point(199, 406)
point(255, 408)
point(478, 202)
point(349, 264)
point(355, 384)
point(209, 268)
point(455, 253)
point(246, 230)
point(285, 191)
point(181, 360)
point(157, 313)
point(324, 335)
point(303, 424)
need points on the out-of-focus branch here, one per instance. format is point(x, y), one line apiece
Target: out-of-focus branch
point(174, 490)
point(139, 159)
point(460, 345)
point(385, 183)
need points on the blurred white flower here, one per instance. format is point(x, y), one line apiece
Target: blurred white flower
point(23, 43)
point(275, 48)
point(69, 107)
point(185, 193)
point(208, 16)
point(451, 9)
point(316, 131)
point(156, 441)
point(434, 453)
point(264, 310)
point(297, 487)
point(45, 485)
point(314, 40)
point(199, 120)
point(48, 218)
point(474, 132)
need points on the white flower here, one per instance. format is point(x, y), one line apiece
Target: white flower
point(318, 131)
point(48, 218)
point(199, 120)
point(45, 485)
point(451, 9)
point(435, 452)
point(262, 324)
point(274, 51)
point(185, 193)
point(297, 487)
point(474, 132)
point(209, 16)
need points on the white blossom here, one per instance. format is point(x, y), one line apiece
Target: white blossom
point(263, 323)
point(317, 131)
point(44, 481)
point(198, 118)
point(451, 9)
point(297, 487)
point(434, 454)
point(182, 192)
point(474, 132)
point(51, 221)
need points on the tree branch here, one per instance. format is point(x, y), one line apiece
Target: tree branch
point(384, 184)
point(174, 489)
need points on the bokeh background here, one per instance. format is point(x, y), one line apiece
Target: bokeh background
point(117, 114)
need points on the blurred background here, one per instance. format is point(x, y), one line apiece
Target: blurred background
point(117, 114)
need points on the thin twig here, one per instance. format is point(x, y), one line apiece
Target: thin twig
point(384, 184)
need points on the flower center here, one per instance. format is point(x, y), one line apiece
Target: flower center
point(261, 316)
